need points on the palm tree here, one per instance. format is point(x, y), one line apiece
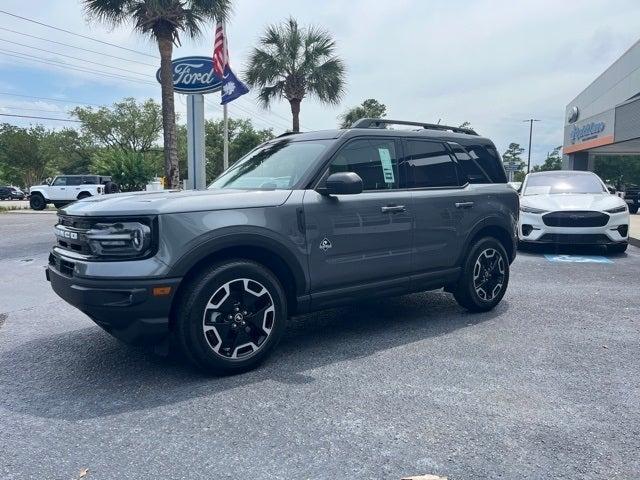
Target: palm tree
point(293, 62)
point(370, 108)
point(163, 21)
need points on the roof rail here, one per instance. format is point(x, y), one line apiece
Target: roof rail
point(382, 122)
point(286, 134)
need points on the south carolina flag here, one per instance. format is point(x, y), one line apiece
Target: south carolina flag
point(232, 87)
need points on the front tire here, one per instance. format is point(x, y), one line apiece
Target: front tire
point(485, 276)
point(231, 317)
point(37, 202)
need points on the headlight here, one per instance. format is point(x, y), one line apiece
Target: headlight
point(119, 239)
point(620, 209)
point(531, 209)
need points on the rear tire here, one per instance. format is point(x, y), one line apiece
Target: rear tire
point(59, 204)
point(633, 209)
point(485, 276)
point(619, 248)
point(230, 317)
point(37, 202)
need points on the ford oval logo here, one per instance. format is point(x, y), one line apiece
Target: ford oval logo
point(194, 75)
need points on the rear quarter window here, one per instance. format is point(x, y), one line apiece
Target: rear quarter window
point(488, 158)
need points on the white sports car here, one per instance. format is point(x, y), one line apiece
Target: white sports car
point(572, 207)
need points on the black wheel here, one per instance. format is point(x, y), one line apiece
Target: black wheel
point(36, 202)
point(618, 248)
point(485, 276)
point(633, 208)
point(231, 317)
point(111, 187)
point(82, 195)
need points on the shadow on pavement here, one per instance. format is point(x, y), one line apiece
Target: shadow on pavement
point(86, 374)
point(541, 249)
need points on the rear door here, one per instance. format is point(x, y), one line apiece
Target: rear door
point(357, 240)
point(442, 204)
point(73, 187)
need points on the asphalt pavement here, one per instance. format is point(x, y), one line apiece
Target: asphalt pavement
point(545, 386)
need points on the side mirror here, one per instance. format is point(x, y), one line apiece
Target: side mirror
point(343, 183)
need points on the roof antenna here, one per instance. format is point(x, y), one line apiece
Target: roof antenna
point(438, 121)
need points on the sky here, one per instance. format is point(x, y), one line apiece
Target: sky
point(491, 63)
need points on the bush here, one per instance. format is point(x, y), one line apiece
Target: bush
point(130, 170)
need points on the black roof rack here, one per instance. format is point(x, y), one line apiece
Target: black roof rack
point(286, 134)
point(381, 122)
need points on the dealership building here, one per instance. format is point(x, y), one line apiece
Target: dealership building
point(605, 118)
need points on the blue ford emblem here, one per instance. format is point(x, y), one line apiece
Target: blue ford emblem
point(193, 75)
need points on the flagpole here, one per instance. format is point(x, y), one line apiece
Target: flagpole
point(225, 154)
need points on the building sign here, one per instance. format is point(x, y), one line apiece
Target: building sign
point(194, 75)
point(588, 131)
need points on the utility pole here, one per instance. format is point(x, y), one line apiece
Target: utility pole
point(531, 120)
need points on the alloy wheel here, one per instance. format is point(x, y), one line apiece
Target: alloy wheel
point(489, 274)
point(238, 318)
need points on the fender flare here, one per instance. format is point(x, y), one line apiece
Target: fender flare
point(38, 191)
point(495, 221)
point(245, 238)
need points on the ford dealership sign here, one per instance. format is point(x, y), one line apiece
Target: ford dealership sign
point(194, 75)
point(587, 132)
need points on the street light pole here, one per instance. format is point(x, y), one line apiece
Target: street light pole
point(531, 120)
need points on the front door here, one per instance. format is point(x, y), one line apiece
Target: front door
point(360, 239)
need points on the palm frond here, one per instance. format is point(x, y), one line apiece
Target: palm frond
point(271, 92)
point(326, 82)
point(111, 12)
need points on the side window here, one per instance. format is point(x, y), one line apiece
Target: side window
point(74, 181)
point(488, 158)
point(470, 168)
point(374, 160)
point(89, 180)
point(60, 182)
point(429, 165)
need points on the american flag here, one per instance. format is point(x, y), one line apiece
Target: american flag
point(220, 53)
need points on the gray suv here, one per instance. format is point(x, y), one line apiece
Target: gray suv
point(303, 222)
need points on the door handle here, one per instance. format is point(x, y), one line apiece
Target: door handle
point(393, 209)
point(464, 204)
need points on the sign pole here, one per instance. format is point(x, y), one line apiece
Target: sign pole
point(196, 164)
point(225, 155)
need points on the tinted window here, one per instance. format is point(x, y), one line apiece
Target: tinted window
point(470, 168)
point(74, 180)
point(90, 180)
point(488, 158)
point(60, 181)
point(374, 160)
point(429, 165)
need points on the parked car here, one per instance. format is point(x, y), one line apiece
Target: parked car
point(9, 192)
point(65, 189)
point(572, 207)
point(303, 222)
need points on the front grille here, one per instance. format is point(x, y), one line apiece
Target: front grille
point(70, 234)
point(575, 239)
point(575, 219)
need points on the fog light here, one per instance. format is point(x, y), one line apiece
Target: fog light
point(623, 230)
point(526, 229)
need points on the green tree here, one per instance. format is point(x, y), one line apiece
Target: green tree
point(163, 21)
point(23, 159)
point(370, 108)
point(130, 170)
point(552, 162)
point(294, 62)
point(70, 151)
point(127, 125)
point(513, 154)
point(466, 124)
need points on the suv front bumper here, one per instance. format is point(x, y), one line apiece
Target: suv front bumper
point(127, 309)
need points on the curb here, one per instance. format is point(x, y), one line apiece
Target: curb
point(634, 241)
point(32, 212)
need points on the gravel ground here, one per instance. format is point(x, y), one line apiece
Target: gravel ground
point(545, 386)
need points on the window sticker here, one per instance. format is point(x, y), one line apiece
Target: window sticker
point(387, 166)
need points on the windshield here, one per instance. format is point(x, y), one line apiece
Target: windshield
point(274, 166)
point(563, 183)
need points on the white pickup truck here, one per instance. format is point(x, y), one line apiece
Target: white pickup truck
point(65, 189)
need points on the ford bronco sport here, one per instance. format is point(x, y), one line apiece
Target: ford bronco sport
point(303, 222)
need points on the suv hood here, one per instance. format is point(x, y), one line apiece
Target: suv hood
point(174, 201)
point(568, 201)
